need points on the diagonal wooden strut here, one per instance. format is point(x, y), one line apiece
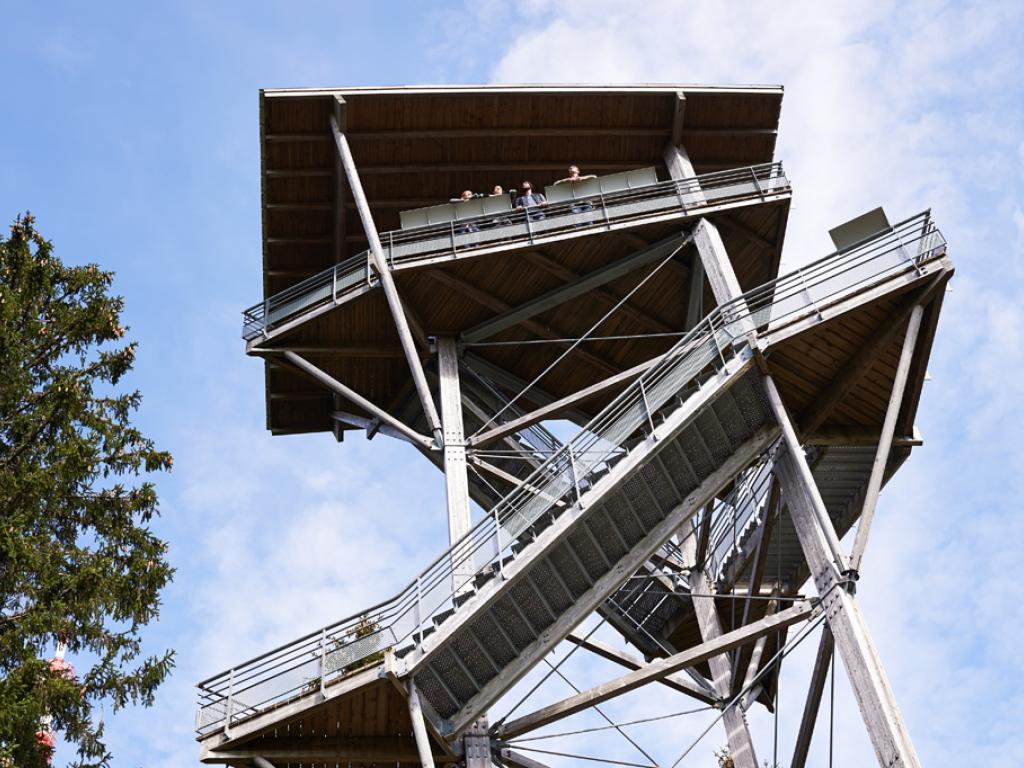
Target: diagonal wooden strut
point(387, 281)
point(563, 293)
point(347, 392)
point(892, 412)
point(657, 669)
point(820, 545)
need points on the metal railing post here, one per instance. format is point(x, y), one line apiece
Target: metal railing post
point(334, 284)
point(323, 659)
point(419, 610)
point(497, 544)
point(714, 338)
point(647, 406)
point(231, 702)
point(451, 234)
point(757, 185)
point(266, 315)
point(572, 470)
point(529, 229)
point(391, 248)
point(604, 210)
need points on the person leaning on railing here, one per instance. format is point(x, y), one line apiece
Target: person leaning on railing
point(467, 194)
point(531, 199)
point(574, 176)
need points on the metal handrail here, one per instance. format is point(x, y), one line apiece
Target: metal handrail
point(288, 671)
point(406, 247)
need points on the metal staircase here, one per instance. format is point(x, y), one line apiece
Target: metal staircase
point(573, 533)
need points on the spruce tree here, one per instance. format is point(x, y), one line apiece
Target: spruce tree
point(79, 564)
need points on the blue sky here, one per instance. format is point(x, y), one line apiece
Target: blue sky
point(132, 134)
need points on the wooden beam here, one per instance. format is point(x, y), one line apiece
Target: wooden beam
point(513, 383)
point(813, 702)
point(567, 275)
point(837, 434)
point(678, 119)
point(656, 670)
point(387, 281)
point(771, 513)
point(368, 351)
point(854, 369)
point(695, 293)
point(513, 759)
point(675, 682)
point(350, 394)
point(741, 745)
point(517, 315)
point(892, 411)
point(356, 749)
point(497, 305)
point(463, 133)
point(746, 232)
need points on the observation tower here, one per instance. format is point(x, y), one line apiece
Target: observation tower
point(731, 424)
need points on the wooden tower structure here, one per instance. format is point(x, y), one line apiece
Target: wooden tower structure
point(725, 412)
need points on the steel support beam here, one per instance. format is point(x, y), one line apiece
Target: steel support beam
point(813, 702)
point(387, 281)
point(892, 412)
point(350, 394)
point(579, 287)
point(456, 482)
point(656, 670)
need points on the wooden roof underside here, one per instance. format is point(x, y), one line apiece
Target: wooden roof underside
point(357, 343)
point(418, 147)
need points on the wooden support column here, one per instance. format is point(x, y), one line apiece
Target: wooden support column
point(871, 688)
point(885, 439)
point(820, 545)
point(741, 745)
point(387, 281)
point(813, 702)
point(677, 161)
point(456, 481)
point(340, 248)
point(419, 726)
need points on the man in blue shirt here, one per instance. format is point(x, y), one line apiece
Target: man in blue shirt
point(531, 199)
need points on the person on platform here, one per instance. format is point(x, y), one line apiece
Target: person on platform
point(574, 176)
point(467, 194)
point(498, 191)
point(530, 199)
